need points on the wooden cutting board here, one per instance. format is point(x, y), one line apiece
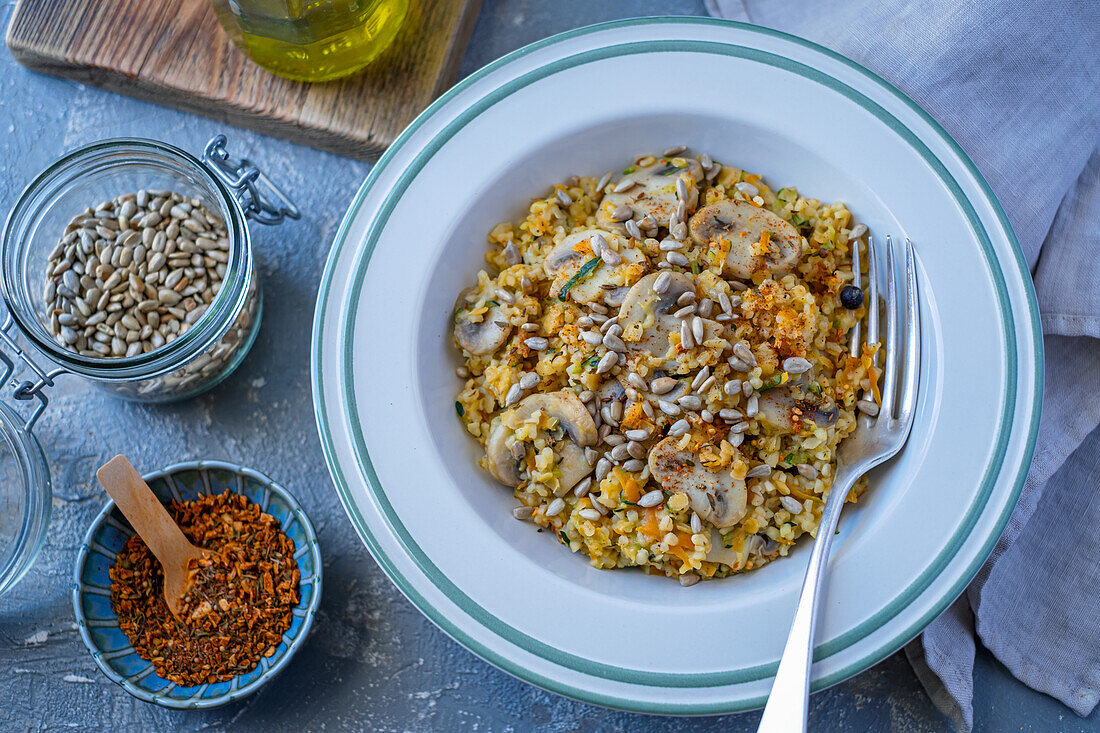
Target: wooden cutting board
point(174, 52)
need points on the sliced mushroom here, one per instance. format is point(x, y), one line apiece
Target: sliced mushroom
point(484, 336)
point(716, 496)
point(654, 194)
point(718, 552)
point(783, 411)
point(646, 316)
point(566, 260)
point(577, 431)
point(647, 320)
point(614, 297)
point(742, 225)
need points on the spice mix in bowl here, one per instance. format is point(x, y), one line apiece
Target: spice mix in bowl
point(251, 600)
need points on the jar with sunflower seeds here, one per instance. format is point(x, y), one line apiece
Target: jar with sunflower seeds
point(129, 262)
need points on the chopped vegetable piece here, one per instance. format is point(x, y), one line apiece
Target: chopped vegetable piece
point(778, 379)
point(585, 271)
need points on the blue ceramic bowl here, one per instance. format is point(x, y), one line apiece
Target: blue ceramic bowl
point(98, 623)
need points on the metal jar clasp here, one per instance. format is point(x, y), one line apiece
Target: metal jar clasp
point(28, 389)
point(258, 196)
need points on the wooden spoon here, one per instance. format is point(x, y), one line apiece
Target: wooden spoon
point(154, 525)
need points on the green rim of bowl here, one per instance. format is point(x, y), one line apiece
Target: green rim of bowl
point(579, 664)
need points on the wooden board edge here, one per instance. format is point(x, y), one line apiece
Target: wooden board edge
point(220, 112)
point(460, 41)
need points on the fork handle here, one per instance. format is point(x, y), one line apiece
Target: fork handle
point(789, 699)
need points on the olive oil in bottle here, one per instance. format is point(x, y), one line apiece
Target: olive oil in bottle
point(312, 40)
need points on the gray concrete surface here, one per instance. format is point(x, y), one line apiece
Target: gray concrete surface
point(373, 662)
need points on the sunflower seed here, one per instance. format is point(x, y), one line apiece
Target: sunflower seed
point(511, 254)
point(523, 512)
point(661, 283)
point(603, 467)
point(752, 406)
point(697, 329)
point(610, 256)
point(689, 402)
point(636, 381)
point(686, 340)
point(669, 408)
point(652, 498)
point(868, 407)
point(662, 385)
point(613, 342)
point(747, 188)
point(732, 387)
point(606, 179)
point(807, 470)
point(555, 507)
point(684, 312)
point(725, 304)
point(742, 351)
point(679, 428)
point(701, 377)
point(677, 258)
point(791, 504)
point(796, 365)
point(607, 361)
point(681, 189)
point(536, 343)
point(518, 450)
point(622, 213)
point(669, 245)
point(674, 150)
point(563, 197)
point(633, 230)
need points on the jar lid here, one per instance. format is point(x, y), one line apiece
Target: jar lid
point(25, 497)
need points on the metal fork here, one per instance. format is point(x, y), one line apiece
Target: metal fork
point(876, 439)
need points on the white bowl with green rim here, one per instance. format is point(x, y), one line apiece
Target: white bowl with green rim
point(384, 385)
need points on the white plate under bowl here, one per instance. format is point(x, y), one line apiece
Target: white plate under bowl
point(584, 102)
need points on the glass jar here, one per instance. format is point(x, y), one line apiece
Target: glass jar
point(312, 40)
point(25, 489)
point(217, 341)
point(200, 357)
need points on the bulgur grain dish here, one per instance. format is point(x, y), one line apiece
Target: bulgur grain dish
point(657, 363)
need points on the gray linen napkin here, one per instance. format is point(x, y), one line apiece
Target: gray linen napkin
point(1017, 84)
